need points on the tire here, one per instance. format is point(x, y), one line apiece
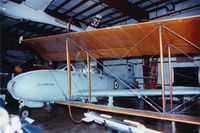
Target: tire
point(24, 112)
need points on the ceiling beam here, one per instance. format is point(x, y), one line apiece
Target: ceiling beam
point(93, 14)
point(34, 29)
point(174, 12)
point(161, 7)
point(110, 14)
point(76, 6)
point(119, 21)
point(112, 19)
point(140, 2)
point(155, 4)
point(61, 5)
point(87, 9)
point(128, 9)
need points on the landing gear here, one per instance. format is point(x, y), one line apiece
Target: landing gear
point(110, 102)
point(24, 112)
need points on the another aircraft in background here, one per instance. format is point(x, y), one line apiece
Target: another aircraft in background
point(33, 10)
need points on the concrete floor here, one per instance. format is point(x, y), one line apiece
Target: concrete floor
point(58, 121)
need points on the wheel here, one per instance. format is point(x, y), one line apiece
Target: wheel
point(24, 112)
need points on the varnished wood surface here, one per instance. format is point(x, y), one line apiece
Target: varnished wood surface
point(134, 112)
point(114, 42)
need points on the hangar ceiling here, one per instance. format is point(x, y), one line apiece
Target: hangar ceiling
point(82, 11)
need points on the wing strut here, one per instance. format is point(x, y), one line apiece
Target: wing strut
point(162, 68)
point(68, 70)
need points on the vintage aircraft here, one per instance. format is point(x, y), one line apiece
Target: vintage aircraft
point(35, 88)
point(33, 10)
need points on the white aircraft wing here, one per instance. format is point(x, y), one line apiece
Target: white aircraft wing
point(177, 91)
point(38, 4)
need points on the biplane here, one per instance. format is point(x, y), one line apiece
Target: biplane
point(162, 38)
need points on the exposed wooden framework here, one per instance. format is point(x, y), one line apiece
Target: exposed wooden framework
point(134, 112)
point(84, 40)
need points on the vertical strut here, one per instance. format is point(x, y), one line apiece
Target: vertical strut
point(68, 69)
point(89, 78)
point(162, 68)
point(170, 76)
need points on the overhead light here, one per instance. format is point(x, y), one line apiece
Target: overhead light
point(170, 7)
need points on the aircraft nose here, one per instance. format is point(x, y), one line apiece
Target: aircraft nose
point(11, 86)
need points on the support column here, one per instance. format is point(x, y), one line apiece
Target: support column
point(162, 68)
point(170, 77)
point(68, 69)
point(89, 78)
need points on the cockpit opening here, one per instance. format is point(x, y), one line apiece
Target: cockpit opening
point(81, 68)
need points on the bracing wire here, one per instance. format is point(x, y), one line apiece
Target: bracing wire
point(71, 116)
point(114, 75)
point(70, 112)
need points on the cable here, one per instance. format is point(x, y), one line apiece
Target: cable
point(177, 107)
point(71, 116)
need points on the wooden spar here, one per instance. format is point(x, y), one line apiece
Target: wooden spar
point(68, 69)
point(135, 112)
point(162, 68)
point(89, 78)
point(170, 76)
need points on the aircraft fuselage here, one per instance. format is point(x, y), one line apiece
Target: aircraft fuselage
point(52, 85)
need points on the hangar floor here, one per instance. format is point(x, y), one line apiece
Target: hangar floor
point(58, 121)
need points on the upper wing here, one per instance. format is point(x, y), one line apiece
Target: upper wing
point(117, 41)
point(38, 4)
point(178, 91)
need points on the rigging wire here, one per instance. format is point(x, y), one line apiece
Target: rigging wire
point(184, 110)
point(124, 83)
point(172, 111)
point(69, 107)
point(154, 103)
